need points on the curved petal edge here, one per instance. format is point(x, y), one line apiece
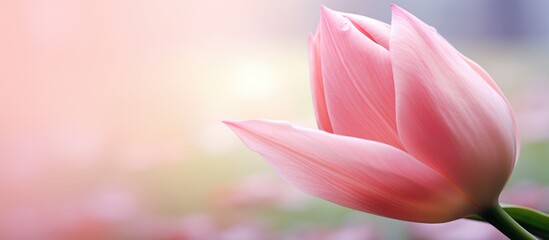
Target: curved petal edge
point(360, 174)
point(448, 114)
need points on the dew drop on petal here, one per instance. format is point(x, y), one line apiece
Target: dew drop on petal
point(346, 27)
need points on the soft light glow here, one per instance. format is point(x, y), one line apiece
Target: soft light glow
point(255, 80)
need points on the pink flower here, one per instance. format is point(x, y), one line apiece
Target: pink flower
point(410, 128)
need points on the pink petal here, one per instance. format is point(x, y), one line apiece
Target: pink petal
point(480, 71)
point(483, 74)
point(376, 30)
point(360, 174)
point(317, 86)
point(448, 115)
point(358, 81)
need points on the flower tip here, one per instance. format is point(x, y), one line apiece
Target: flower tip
point(229, 123)
point(325, 12)
point(330, 20)
point(241, 124)
point(323, 8)
point(396, 9)
point(235, 126)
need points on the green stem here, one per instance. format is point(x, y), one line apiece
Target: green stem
point(505, 223)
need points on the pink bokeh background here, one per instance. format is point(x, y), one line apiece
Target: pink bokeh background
point(110, 114)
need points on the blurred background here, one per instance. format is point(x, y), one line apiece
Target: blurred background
point(110, 115)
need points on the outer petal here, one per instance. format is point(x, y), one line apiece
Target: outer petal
point(448, 116)
point(360, 174)
point(480, 71)
point(358, 81)
point(483, 74)
point(317, 86)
